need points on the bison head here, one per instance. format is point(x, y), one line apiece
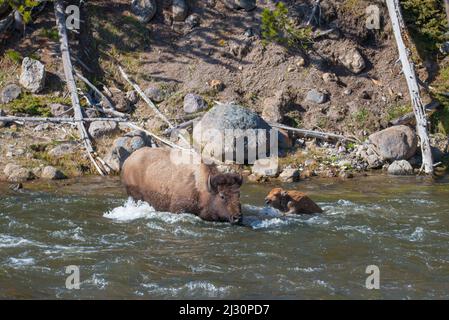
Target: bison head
point(224, 203)
point(277, 198)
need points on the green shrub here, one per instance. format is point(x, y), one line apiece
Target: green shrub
point(23, 7)
point(278, 27)
point(426, 20)
point(14, 56)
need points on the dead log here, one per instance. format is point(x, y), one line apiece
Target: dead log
point(408, 68)
point(59, 120)
point(181, 126)
point(70, 80)
point(314, 134)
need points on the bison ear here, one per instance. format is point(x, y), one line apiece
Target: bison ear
point(210, 185)
point(239, 179)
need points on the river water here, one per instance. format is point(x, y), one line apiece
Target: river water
point(127, 250)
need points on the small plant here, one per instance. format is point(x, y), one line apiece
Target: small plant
point(14, 56)
point(397, 111)
point(278, 27)
point(52, 34)
point(24, 7)
point(361, 116)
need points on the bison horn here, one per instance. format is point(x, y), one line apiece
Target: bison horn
point(209, 185)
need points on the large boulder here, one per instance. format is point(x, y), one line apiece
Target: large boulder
point(268, 167)
point(32, 77)
point(395, 143)
point(236, 123)
point(144, 10)
point(9, 93)
point(400, 168)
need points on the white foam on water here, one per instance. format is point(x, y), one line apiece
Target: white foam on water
point(7, 241)
point(417, 235)
point(269, 223)
point(191, 288)
point(133, 210)
point(20, 262)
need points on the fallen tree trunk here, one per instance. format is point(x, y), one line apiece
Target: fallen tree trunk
point(70, 80)
point(314, 134)
point(59, 120)
point(408, 69)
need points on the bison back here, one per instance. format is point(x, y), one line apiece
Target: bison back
point(149, 174)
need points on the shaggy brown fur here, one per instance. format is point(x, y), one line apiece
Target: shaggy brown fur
point(292, 202)
point(157, 176)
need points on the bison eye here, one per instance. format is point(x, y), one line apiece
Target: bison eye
point(222, 196)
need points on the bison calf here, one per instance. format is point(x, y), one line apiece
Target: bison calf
point(149, 174)
point(292, 202)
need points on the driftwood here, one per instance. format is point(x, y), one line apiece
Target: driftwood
point(181, 126)
point(59, 120)
point(145, 98)
point(314, 134)
point(408, 68)
point(70, 80)
point(316, 7)
point(446, 5)
point(149, 102)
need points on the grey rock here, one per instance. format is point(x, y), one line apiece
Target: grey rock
point(289, 175)
point(266, 167)
point(193, 21)
point(62, 150)
point(352, 60)
point(98, 129)
point(374, 162)
point(32, 77)
point(60, 110)
point(124, 146)
point(315, 96)
point(51, 173)
point(230, 119)
point(16, 173)
point(155, 94)
point(274, 107)
point(144, 9)
point(132, 97)
point(400, 168)
point(247, 5)
point(9, 93)
point(194, 103)
point(179, 10)
point(395, 143)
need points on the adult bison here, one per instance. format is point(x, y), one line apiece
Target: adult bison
point(150, 174)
